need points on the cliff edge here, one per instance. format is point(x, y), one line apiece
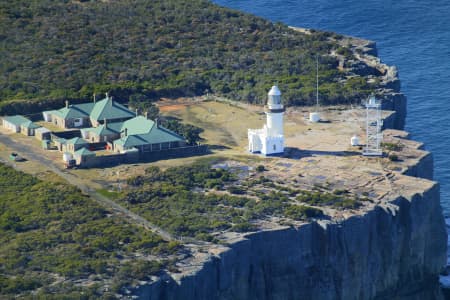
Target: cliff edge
point(394, 247)
point(385, 253)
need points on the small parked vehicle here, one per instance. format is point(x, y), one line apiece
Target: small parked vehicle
point(16, 157)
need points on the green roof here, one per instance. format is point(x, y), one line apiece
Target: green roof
point(137, 125)
point(131, 141)
point(84, 152)
point(30, 124)
point(111, 128)
point(108, 109)
point(60, 140)
point(142, 131)
point(160, 134)
point(73, 111)
point(77, 141)
point(16, 120)
point(103, 109)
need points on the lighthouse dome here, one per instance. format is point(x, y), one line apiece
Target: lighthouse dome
point(274, 97)
point(274, 91)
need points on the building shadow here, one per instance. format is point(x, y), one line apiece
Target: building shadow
point(218, 147)
point(296, 153)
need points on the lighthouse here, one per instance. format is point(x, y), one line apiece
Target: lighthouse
point(270, 139)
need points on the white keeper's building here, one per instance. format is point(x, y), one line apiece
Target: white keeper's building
point(270, 139)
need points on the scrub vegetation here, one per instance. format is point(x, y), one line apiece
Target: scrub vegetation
point(201, 199)
point(142, 50)
point(51, 234)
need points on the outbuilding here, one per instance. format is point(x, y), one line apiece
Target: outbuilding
point(83, 156)
point(42, 133)
point(13, 123)
point(28, 128)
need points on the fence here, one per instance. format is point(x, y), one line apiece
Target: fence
point(174, 153)
point(134, 157)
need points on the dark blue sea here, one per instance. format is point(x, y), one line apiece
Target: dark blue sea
point(413, 35)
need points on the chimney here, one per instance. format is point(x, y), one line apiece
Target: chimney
point(126, 131)
point(137, 112)
point(157, 122)
point(146, 114)
point(104, 122)
point(67, 103)
point(94, 98)
point(111, 102)
point(107, 95)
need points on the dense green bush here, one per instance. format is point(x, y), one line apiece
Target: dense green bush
point(51, 228)
point(185, 201)
point(302, 212)
point(142, 50)
point(337, 199)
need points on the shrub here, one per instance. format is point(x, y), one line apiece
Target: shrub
point(260, 168)
point(236, 190)
point(301, 212)
point(243, 227)
point(393, 157)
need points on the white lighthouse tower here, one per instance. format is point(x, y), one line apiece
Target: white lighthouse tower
point(270, 139)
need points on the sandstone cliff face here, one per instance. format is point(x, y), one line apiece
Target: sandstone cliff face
point(394, 251)
point(374, 255)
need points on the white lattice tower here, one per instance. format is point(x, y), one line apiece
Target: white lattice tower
point(374, 123)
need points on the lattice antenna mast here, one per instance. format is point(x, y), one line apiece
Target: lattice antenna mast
point(374, 123)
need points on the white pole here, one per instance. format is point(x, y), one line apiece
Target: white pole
point(317, 83)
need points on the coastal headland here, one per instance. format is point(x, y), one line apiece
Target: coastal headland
point(319, 221)
point(392, 246)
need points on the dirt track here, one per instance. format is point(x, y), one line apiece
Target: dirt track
point(31, 153)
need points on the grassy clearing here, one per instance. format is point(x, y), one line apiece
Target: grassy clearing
point(224, 124)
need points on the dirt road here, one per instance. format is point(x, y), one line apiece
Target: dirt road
point(29, 152)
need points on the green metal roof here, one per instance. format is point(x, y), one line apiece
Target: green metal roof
point(116, 126)
point(73, 111)
point(101, 130)
point(160, 134)
point(16, 120)
point(137, 125)
point(100, 110)
point(131, 141)
point(84, 152)
point(77, 141)
point(111, 128)
point(60, 140)
point(108, 109)
point(156, 135)
point(30, 125)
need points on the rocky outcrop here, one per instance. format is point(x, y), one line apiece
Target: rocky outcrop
point(381, 254)
point(368, 65)
point(394, 251)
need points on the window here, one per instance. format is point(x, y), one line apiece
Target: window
point(274, 147)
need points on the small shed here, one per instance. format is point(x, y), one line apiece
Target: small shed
point(74, 144)
point(42, 133)
point(45, 144)
point(12, 123)
point(83, 156)
point(28, 128)
point(59, 143)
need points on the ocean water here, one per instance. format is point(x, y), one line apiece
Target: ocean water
point(413, 35)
